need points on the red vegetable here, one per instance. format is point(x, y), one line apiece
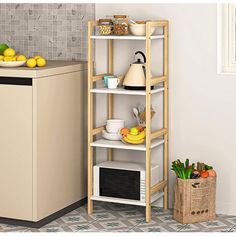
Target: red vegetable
point(204, 174)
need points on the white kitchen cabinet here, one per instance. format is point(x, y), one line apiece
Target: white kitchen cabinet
point(43, 140)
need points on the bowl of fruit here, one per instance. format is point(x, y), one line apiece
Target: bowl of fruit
point(135, 135)
point(8, 58)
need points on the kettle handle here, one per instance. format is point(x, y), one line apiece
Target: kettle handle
point(144, 57)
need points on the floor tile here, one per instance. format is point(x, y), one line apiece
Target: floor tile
point(213, 224)
point(150, 229)
point(83, 227)
point(233, 229)
point(111, 217)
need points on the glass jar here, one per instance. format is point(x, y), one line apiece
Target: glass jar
point(121, 25)
point(105, 26)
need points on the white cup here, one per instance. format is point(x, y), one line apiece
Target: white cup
point(113, 126)
point(113, 83)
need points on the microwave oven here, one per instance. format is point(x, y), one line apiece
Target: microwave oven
point(124, 180)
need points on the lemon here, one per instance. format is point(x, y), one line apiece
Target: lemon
point(14, 58)
point(37, 57)
point(7, 58)
point(21, 58)
point(1, 57)
point(9, 52)
point(41, 62)
point(31, 63)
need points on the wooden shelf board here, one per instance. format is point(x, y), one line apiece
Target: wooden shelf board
point(125, 91)
point(125, 37)
point(120, 145)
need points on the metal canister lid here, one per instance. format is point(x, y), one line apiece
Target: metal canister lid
point(105, 21)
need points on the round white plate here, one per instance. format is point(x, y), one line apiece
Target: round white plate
point(109, 136)
point(12, 63)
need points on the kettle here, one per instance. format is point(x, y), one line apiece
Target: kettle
point(136, 75)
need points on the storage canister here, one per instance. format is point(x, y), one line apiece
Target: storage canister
point(121, 25)
point(105, 26)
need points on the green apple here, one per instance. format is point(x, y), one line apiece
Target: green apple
point(134, 131)
point(3, 46)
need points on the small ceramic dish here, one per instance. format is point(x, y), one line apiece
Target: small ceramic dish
point(12, 63)
point(139, 29)
point(109, 136)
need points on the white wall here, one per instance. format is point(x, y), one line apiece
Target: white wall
point(202, 104)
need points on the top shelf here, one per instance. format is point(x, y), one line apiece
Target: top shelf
point(126, 37)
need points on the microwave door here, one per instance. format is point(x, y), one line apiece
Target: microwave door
point(119, 183)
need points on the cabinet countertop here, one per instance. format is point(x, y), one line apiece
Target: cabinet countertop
point(52, 68)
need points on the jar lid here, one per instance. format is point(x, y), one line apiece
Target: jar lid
point(120, 16)
point(105, 20)
point(140, 22)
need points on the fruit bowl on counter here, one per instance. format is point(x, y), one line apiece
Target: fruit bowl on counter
point(12, 63)
point(8, 58)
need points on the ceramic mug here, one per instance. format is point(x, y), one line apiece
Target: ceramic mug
point(113, 83)
point(106, 78)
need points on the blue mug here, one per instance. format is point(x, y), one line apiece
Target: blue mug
point(106, 78)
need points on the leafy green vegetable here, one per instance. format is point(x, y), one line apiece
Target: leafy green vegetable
point(183, 171)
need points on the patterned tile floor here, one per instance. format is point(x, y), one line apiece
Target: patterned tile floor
point(109, 217)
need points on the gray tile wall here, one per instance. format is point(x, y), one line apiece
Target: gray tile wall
point(54, 31)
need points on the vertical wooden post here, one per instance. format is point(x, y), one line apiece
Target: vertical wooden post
point(166, 115)
point(110, 96)
point(148, 122)
point(90, 118)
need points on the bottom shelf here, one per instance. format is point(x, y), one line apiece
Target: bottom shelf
point(154, 197)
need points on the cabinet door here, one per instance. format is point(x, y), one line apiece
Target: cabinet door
point(61, 141)
point(15, 149)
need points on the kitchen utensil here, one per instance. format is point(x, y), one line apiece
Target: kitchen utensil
point(113, 83)
point(136, 113)
point(113, 126)
point(135, 78)
point(141, 108)
point(111, 136)
point(139, 29)
point(132, 21)
point(12, 63)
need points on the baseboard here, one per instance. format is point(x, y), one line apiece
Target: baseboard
point(226, 208)
point(47, 219)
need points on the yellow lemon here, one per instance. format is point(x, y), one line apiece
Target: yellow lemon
point(37, 57)
point(7, 58)
point(1, 57)
point(31, 63)
point(14, 58)
point(21, 58)
point(41, 62)
point(9, 52)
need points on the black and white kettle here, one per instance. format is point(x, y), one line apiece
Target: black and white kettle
point(135, 78)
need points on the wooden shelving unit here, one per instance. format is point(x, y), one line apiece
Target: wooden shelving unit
point(153, 139)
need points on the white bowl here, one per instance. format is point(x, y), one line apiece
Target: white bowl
point(139, 29)
point(12, 63)
point(109, 136)
point(113, 126)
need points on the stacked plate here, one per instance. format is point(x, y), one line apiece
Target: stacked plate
point(112, 131)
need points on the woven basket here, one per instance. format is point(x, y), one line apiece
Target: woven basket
point(195, 200)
